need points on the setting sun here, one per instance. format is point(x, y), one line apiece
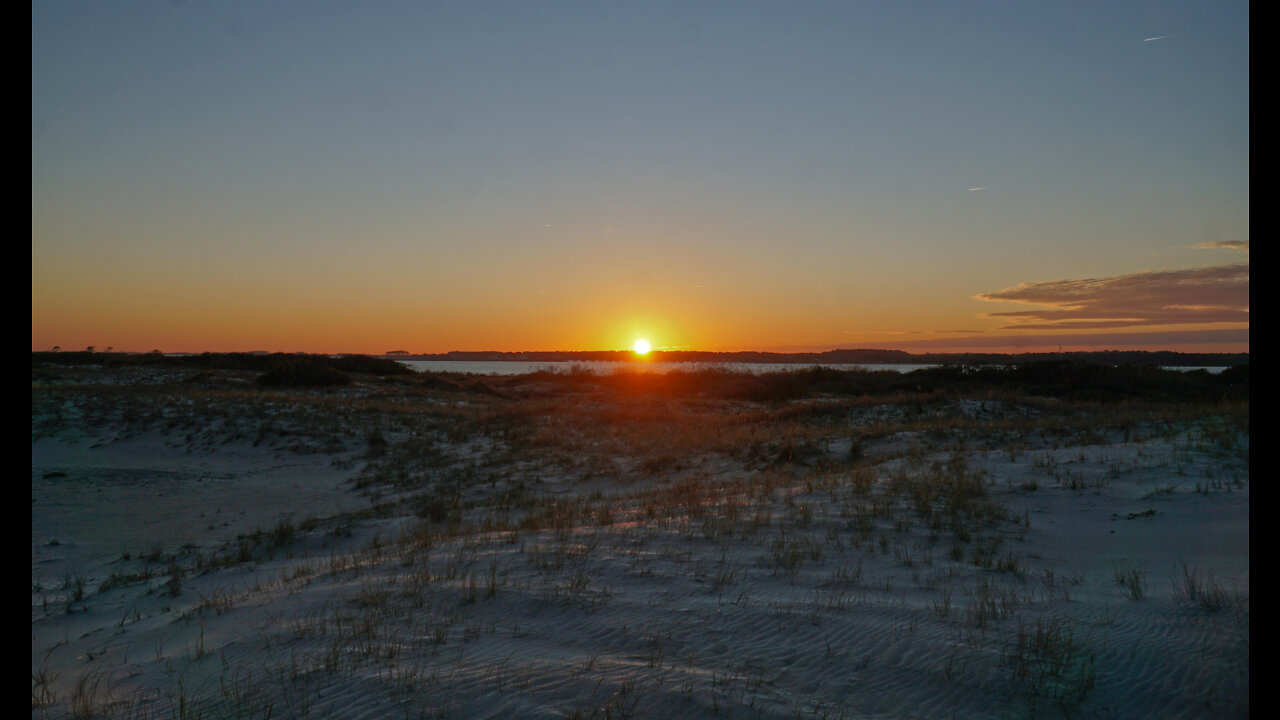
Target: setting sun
point(642, 347)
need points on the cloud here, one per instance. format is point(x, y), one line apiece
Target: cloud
point(1239, 245)
point(1217, 294)
point(1161, 340)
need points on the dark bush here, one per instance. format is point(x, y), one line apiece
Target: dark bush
point(302, 371)
point(365, 365)
point(1237, 376)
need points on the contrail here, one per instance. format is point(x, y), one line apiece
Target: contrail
point(981, 188)
point(1158, 37)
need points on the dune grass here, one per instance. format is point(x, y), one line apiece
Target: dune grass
point(633, 545)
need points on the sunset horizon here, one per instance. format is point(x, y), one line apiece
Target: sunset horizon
point(1219, 342)
point(440, 177)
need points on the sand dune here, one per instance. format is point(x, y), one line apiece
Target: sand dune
point(393, 550)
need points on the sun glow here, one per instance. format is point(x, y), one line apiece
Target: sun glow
point(642, 347)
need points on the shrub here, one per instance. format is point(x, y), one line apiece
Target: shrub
point(302, 371)
point(366, 365)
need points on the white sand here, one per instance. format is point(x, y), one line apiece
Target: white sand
point(676, 605)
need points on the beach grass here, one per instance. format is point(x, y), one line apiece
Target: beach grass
point(580, 545)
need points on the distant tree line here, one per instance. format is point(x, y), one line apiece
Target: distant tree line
point(1082, 377)
point(1069, 380)
point(280, 369)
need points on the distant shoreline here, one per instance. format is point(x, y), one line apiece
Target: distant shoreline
point(1160, 358)
point(843, 357)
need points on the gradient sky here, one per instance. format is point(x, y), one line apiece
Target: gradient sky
point(363, 177)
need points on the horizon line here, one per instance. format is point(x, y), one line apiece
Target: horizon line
point(632, 353)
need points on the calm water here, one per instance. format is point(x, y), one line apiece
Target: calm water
point(510, 367)
point(505, 367)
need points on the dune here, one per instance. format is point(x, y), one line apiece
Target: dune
point(400, 549)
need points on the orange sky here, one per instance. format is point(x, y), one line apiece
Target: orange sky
point(426, 178)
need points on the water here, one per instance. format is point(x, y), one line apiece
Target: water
point(1211, 369)
point(516, 367)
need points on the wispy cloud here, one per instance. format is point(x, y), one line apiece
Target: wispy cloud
point(1218, 294)
point(1159, 340)
point(1239, 245)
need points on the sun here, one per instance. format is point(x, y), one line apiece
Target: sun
point(642, 347)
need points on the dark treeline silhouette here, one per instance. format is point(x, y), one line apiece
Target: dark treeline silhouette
point(279, 369)
point(1077, 378)
point(1060, 379)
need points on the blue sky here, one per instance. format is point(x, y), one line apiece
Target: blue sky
point(336, 176)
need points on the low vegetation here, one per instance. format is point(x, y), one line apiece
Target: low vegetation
point(635, 544)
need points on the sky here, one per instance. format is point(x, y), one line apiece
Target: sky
point(942, 175)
